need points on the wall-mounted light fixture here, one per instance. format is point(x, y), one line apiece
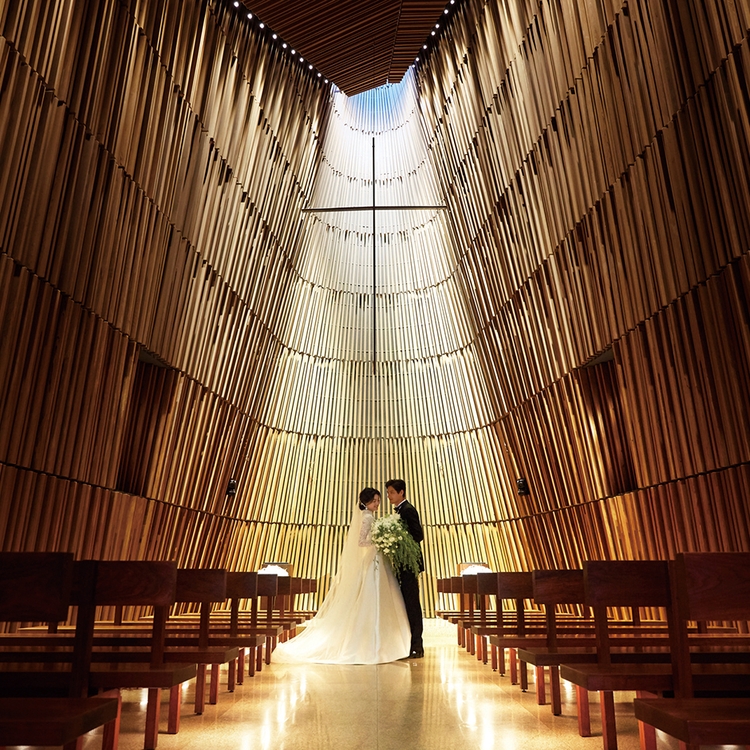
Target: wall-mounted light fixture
point(523, 486)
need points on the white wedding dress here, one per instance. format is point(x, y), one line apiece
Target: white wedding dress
point(363, 619)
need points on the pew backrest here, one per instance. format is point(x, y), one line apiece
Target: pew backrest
point(35, 587)
point(714, 585)
point(623, 583)
point(206, 586)
point(242, 585)
point(553, 587)
point(40, 587)
point(514, 585)
point(140, 584)
point(626, 583)
point(705, 586)
point(136, 583)
point(201, 585)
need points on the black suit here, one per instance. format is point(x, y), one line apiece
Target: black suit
point(409, 582)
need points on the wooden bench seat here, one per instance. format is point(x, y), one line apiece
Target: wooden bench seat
point(699, 721)
point(549, 589)
point(142, 584)
point(637, 584)
point(52, 721)
point(39, 587)
point(704, 587)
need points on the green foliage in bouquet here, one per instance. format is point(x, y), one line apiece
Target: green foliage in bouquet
point(393, 539)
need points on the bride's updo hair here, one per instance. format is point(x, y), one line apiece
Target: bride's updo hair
point(367, 495)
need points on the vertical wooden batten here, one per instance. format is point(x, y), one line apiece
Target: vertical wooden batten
point(578, 315)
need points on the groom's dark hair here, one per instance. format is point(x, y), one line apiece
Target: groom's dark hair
point(398, 484)
point(367, 495)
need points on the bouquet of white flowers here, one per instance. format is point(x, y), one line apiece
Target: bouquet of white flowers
point(393, 539)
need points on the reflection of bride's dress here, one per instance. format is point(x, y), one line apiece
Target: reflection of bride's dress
point(363, 619)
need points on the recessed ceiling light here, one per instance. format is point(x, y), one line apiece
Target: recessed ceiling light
point(249, 15)
point(302, 59)
point(236, 3)
point(318, 75)
point(424, 46)
point(262, 25)
point(283, 45)
point(273, 36)
point(310, 67)
point(437, 25)
point(293, 52)
point(433, 33)
point(446, 11)
point(326, 80)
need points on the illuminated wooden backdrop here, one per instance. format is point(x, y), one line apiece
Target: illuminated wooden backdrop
point(577, 316)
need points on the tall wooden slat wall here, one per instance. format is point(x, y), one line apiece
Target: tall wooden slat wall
point(596, 160)
point(577, 316)
point(155, 158)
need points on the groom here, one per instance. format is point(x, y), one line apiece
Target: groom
point(396, 490)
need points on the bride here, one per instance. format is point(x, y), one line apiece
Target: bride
point(363, 619)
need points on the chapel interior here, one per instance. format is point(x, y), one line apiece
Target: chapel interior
point(258, 255)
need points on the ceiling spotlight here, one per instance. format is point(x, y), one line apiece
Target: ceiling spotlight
point(236, 3)
point(293, 52)
point(446, 11)
point(273, 36)
point(262, 25)
point(310, 67)
point(416, 59)
point(249, 15)
point(318, 75)
point(433, 33)
point(283, 45)
point(424, 46)
point(437, 25)
point(302, 59)
point(325, 80)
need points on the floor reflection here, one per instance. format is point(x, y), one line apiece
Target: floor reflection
point(444, 701)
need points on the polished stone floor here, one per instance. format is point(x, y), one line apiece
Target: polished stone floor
point(446, 700)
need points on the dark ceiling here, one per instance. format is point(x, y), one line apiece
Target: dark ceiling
point(355, 44)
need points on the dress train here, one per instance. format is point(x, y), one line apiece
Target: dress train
point(363, 619)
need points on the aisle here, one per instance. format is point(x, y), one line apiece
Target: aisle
point(445, 701)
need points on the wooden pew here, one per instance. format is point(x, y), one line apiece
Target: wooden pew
point(631, 584)
point(186, 638)
point(253, 628)
point(443, 590)
point(454, 585)
point(140, 584)
point(513, 624)
point(644, 665)
point(476, 620)
point(550, 589)
point(244, 629)
point(300, 587)
point(240, 628)
point(553, 588)
point(705, 586)
point(486, 587)
point(206, 587)
point(37, 587)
